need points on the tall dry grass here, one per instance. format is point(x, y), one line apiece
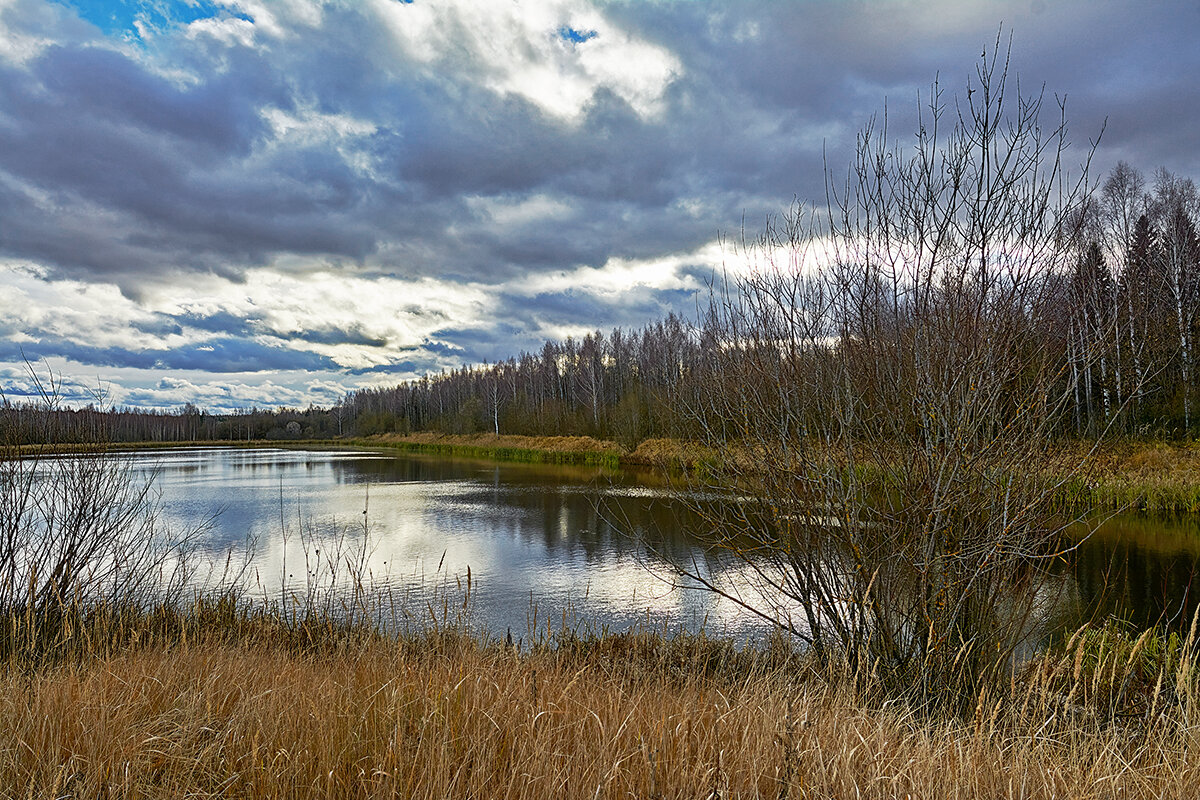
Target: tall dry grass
point(532, 449)
point(265, 714)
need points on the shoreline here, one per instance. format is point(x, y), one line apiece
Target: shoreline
point(1143, 477)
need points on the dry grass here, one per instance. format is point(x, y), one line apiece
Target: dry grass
point(550, 444)
point(626, 716)
point(1155, 477)
point(536, 449)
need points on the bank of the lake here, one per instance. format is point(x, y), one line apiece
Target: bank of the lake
point(1148, 476)
point(528, 449)
point(1154, 477)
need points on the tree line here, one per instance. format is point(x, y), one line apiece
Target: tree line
point(1132, 307)
point(1123, 318)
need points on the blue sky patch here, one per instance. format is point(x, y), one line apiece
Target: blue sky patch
point(119, 17)
point(569, 34)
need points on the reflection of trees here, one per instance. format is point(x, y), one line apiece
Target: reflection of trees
point(414, 467)
point(1119, 575)
point(559, 508)
point(566, 508)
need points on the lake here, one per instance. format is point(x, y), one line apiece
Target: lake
point(543, 544)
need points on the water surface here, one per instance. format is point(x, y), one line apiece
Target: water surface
point(539, 541)
point(546, 542)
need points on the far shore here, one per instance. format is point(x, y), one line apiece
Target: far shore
point(1145, 476)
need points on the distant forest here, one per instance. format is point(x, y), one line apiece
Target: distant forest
point(1125, 321)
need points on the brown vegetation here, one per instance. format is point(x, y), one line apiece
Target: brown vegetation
point(548, 444)
point(1155, 477)
point(628, 716)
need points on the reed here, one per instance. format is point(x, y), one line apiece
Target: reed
point(1148, 477)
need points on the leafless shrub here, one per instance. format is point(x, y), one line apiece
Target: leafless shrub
point(884, 396)
point(79, 529)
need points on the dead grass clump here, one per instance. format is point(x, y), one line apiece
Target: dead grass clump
point(672, 454)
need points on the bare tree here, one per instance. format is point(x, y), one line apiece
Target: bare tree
point(78, 528)
point(888, 394)
point(1174, 204)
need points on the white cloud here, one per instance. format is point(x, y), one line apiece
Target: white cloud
point(508, 212)
point(27, 28)
point(93, 313)
point(275, 17)
point(359, 322)
point(308, 127)
point(277, 307)
point(226, 30)
point(621, 275)
point(404, 313)
point(518, 48)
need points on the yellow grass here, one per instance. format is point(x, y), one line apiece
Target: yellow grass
point(552, 444)
point(1138, 476)
point(1148, 476)
point(448, 717)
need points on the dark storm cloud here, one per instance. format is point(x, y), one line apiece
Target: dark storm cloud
point(634, 308)
point(163, 326)
point(403, 368)
point(355, 336)
point(220, 322)
point(159, 176)
point(490, 343)
point(151, 176)
point(233, 325)
point(526, 322)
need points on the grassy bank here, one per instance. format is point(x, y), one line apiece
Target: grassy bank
point(1152, 477)
point(1155, 477)
point(528, 449)
point(221, 703)
point(664, 453)
point(61, 448)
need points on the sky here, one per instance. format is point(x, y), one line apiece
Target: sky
point(240, 203)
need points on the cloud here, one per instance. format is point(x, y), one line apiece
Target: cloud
point(370, 190)
point(556, 55)
point(216, 355)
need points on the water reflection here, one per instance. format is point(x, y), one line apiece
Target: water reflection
point(544, 539)
point(1141, 568)
point(556, 537)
